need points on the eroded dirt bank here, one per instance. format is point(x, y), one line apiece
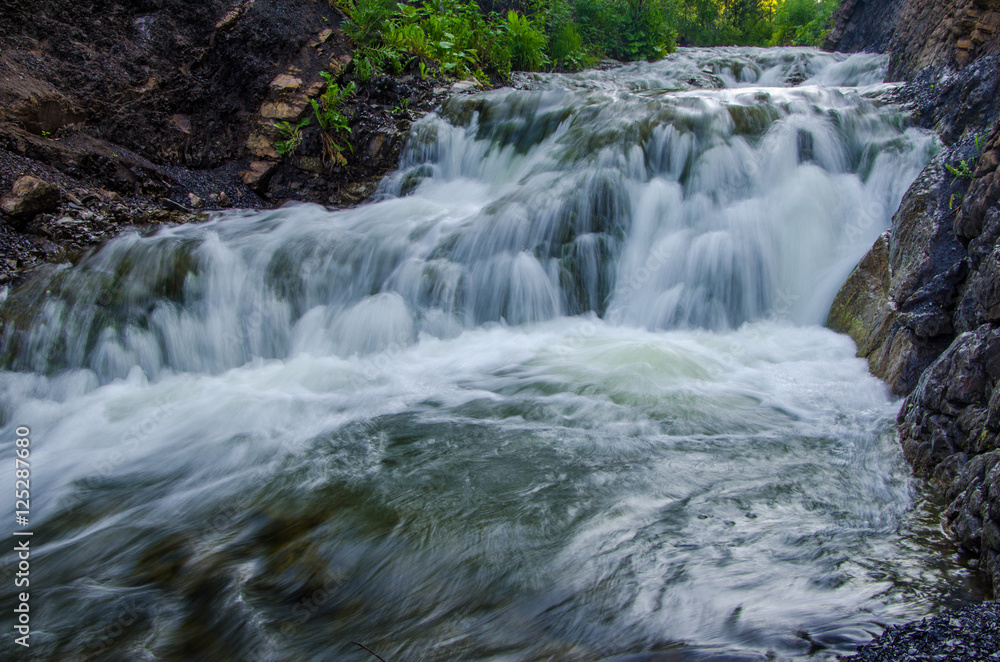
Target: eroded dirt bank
point(144, 112)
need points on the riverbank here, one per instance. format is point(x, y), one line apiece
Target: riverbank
point(970, 634)
point(922, 305)
point(147, 118)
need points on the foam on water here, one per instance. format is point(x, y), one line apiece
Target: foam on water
point(560, 392)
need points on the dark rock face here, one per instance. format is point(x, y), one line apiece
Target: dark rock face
point(863, 25)
point(957, 103)
point(924, 308)
point(949, 425)
point(924, 304)
point(918, 33)
point(898, 302)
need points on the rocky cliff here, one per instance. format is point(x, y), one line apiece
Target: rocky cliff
point(917, 33)
point(924, 304)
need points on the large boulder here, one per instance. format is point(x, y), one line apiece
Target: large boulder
point(28, 197)
point(897, 304)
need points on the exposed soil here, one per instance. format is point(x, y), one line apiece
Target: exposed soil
point(146, 112)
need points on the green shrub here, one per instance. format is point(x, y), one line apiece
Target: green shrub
point(454, 33)
point(527, 43)
point(627, 29)
point(802, 22)
point(366, 20)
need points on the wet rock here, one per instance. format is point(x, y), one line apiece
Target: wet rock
point(924, 305)
point(196, 202)
point(286, 83)
point(897, 304)
point(860, 25)
point(258, 173)
point(918, 33)
point(220, 199)
point(284, 110)
point(29, 196)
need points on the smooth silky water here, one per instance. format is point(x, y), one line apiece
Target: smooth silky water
point(562, 391)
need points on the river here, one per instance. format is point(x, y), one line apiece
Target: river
point(560, 392)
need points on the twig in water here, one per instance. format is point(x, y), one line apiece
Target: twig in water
point(358, 643)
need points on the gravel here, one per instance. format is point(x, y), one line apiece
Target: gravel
point(969, 634)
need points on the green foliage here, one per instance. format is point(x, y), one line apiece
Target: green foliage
point(291, 136)
point(802, 22)
point(366, 25)
point(455, 33)
point(962, 171)
point(527, 43)
point(566, 49)
point(533, 35)
point(332, 121)
point(965, 169)
point(372, 59)
point(626, 29)
point(366, 20)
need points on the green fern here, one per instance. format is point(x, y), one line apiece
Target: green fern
point(291, 136)
point(332, 120)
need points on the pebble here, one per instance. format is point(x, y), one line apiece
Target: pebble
point(969, 634)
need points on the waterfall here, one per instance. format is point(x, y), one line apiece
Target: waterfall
point(560, 390)
point(640, 196)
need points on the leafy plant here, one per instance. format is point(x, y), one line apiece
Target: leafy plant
point(366, 20)
point(455, 33)
point(962, 171)
point(372, 59)
point(565, 48)
point(527, 43)
point(291, 136)
point(627, 29)
point(802, 22)
point(332, 120)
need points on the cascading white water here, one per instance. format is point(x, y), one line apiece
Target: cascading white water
point(559, 391)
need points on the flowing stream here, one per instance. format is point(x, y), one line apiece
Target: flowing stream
point(561, 392)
